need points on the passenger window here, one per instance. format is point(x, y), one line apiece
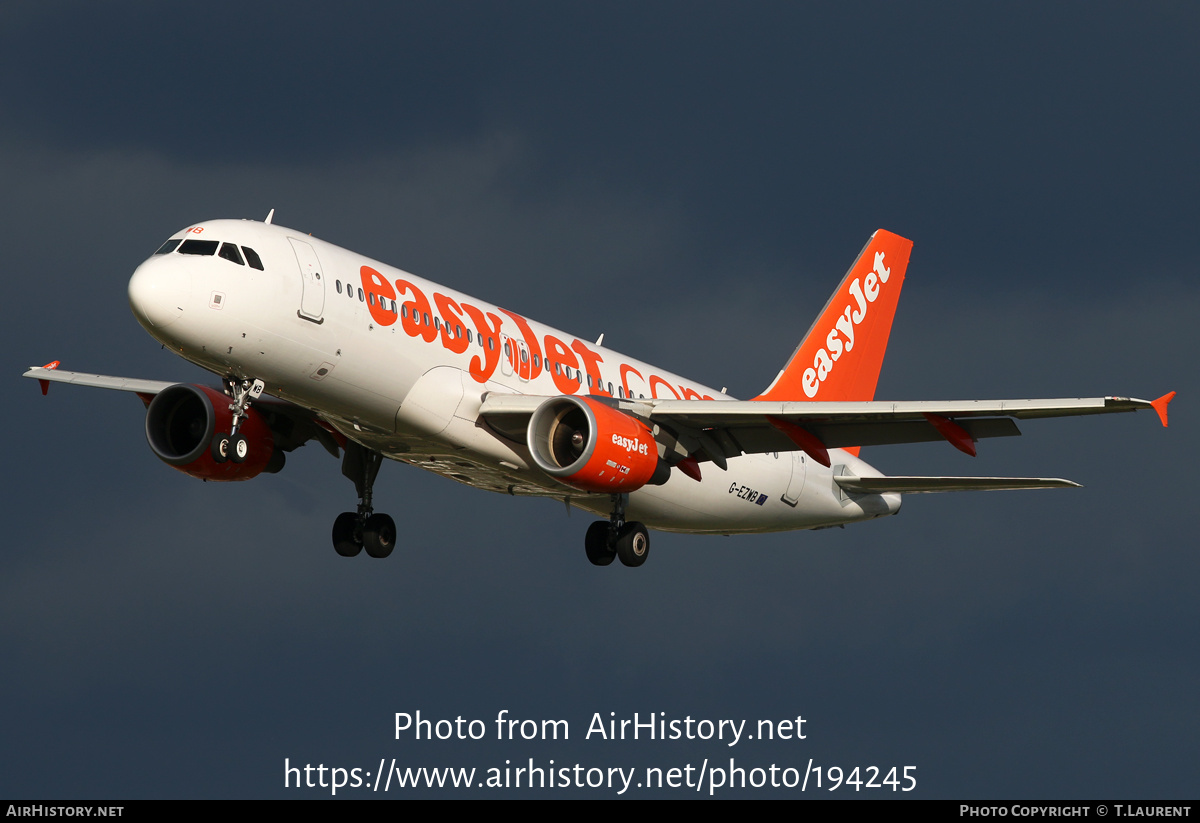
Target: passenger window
point(469, 340)
point(507, 348)
point(169, 246)
point(536, 361)
point(524, 356)
point(491, 344)
point(458, 331)
point(201, 247)
point(425, 318)
point(371, 298)
point(253, 259)
point(338, 283)
point(360, 296)
point(621, 392)
point(230, 253)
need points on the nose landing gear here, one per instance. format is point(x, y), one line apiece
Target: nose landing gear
point(231, 445)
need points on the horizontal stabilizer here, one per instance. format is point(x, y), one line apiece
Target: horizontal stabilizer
point(922, 485)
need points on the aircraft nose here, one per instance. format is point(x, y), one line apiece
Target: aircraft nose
point(154, 294)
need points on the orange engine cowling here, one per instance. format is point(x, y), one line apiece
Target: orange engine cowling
point(181, 421)
point(594, 447)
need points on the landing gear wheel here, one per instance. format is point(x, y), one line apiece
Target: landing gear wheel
point(345, 542)
point(379, 535)
point(596, 543)
point(374, 532)
point(220, 448)
point(239, 448)
point(633, 544)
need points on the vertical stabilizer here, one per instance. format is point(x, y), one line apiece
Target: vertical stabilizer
point(840, 357)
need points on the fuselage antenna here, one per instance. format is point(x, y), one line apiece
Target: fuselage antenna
point(270, 214)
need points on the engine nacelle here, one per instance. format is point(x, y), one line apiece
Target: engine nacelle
point(181, 421)
point(594, 447)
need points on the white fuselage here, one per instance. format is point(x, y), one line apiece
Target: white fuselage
point(410, 383)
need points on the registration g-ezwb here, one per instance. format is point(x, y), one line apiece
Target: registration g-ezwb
point(314, 342)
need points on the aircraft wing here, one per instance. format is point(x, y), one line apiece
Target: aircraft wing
point(721, 429)
point(754, 426)
point(51, 374)
point(300, 426)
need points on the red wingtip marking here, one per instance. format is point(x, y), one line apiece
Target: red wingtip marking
point(689, 466)
point(955, 434)
point(1160, 406)
point(808, 442)
point(53, 364)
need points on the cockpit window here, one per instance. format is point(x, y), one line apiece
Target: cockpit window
point(169, 246)
point(252, 258)
point(230, 253)
point(204, 247)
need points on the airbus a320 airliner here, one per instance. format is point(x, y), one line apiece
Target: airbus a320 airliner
point(314, 342)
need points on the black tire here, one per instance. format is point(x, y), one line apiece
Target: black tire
point(379, 535)
point(220, 447)
point(345, 541)
point(633, 544)
point(596, 543)
point(239, 448)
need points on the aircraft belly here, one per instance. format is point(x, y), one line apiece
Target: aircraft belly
point(749, 497)
point(490, 466)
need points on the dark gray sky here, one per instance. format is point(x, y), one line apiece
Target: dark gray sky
point(690, 179)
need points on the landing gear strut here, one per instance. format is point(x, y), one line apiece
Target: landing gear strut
point(606, 540)
point(364, 529)
point(231, 445)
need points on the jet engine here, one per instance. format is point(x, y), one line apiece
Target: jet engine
point(594, 447)
point(181, 422)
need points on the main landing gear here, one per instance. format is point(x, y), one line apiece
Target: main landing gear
point(613, 538)
point(364, 529)
point(231, 445)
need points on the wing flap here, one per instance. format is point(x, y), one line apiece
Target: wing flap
point(759, 439)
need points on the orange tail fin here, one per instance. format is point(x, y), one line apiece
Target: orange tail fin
point(840, 357)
